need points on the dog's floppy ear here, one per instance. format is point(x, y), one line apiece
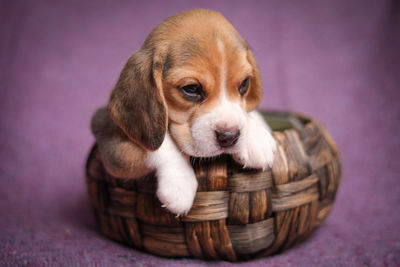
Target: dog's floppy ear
point(137, 103)
point(255, 92)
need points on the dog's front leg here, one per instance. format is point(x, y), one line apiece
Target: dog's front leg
point(177, 183)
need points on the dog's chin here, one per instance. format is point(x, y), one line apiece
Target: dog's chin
point(203, 154)
point(207, 151)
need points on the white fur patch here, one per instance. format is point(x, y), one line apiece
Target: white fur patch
point(223, 68)
point(224, 116)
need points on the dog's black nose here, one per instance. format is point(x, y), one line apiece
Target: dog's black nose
point(227, 138)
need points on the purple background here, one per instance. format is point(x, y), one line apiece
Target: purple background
point(335, 60)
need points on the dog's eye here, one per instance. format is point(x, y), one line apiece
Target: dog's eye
point(244, 86)
point(193, 92)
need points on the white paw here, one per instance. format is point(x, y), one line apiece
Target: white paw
point(257, 148)
point(176, 190)
point(177, 183)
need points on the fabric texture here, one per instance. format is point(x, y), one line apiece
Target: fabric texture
point(337, 61)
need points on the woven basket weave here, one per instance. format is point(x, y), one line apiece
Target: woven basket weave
point(238, 213)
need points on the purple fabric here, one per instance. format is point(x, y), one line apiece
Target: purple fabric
point(335, 60)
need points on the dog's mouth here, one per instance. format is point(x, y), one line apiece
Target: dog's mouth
point(213, 148)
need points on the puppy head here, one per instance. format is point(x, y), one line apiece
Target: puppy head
point(195, 75)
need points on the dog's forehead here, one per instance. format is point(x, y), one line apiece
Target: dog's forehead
point(195, 34)
point(204, 51)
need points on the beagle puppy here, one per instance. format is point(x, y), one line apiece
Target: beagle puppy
point(190, 90)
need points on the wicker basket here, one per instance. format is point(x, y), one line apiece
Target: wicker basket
point(238, 213)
